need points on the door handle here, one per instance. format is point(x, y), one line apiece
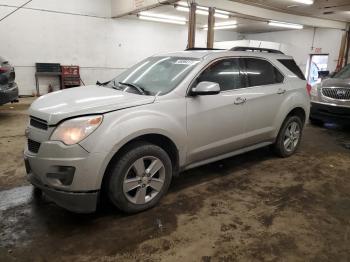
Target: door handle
point(281, 91)
point(240, 100)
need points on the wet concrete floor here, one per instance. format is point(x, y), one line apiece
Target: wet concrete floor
point(253, 207)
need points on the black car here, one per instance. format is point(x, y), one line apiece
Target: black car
point(8, 87)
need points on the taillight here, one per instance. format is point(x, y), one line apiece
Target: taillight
point(3, 70)
point(308, 88)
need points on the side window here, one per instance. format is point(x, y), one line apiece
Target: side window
point(261, 72)
point(224, 72)
point(293, 67)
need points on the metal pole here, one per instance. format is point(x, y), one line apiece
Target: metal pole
point(192, 26)
point(211, 24)
point(347, 47)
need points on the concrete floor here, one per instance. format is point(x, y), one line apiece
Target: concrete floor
point(254, 207)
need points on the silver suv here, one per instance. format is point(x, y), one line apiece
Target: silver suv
point(330, 100)
point(127, 138)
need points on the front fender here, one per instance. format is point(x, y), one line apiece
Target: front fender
point(120, 127)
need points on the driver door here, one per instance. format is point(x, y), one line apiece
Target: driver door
point(216, 123)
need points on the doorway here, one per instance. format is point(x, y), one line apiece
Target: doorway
point(317, 68)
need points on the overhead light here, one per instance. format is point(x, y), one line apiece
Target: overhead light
point(218, 15)
point(226, 27)
point(162, 18)
point(305, 2)
point(223, 25)
point(285, 25)
point(201, 10)
point(232, 22)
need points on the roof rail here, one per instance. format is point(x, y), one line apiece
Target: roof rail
point(256, 49)
point(201, 48)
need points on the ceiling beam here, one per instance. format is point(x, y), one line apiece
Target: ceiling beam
point(122, 8)
point(267, 14)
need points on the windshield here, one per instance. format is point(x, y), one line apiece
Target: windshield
point(155, 75)
point(344, 73)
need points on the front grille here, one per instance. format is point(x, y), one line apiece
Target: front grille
point(340, 93)
point(33, 146)
point(38, 123)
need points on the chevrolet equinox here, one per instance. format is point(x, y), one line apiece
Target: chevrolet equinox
point(128, 137)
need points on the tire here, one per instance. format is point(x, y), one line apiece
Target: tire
point(282, 147)
point(131, 188)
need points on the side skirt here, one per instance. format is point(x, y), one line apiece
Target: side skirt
point(227, 155)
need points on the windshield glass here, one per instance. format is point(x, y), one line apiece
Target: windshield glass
point(155, 75)
point(344, 73)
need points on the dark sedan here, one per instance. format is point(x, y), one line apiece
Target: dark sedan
point(8, 87)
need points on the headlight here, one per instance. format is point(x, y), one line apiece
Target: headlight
point(75, 130)
point(314, 90)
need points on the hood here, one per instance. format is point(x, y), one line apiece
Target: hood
point(59, 105)
point(336, 82)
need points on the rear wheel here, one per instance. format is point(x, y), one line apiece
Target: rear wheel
point(140, 177)
point(289, 137)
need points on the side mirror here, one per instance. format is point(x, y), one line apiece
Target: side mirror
point(206, 88)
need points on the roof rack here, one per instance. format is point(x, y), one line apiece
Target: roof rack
point(201, 48)
point(256, 49)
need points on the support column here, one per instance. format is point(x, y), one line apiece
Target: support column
point(211, 24)
point(347, 46)
point(192, 26)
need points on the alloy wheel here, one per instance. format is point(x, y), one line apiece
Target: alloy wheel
point(144, 180)
point(291, 136)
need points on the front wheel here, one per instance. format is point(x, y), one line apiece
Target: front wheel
point(289, 137)
point(140, 177)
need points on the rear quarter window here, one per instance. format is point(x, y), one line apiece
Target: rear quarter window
point(261, 72)
point(293, 67)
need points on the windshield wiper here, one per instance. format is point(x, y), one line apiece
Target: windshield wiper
point(102, 84)
point(138, 88)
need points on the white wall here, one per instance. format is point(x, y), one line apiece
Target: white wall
point(101, 46)
point(298, 43)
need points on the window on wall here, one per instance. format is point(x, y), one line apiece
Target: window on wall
point(260, 72)
point(226, 73)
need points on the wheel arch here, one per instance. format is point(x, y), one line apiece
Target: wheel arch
point(298, 111)
point(163, 141)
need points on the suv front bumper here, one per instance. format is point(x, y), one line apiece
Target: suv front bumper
point(330, 113)
point(78, 202)
point(68, 175)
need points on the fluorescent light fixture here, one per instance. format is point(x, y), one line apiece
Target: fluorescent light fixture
point(170, 17)
point(202, 10)
point(232, 22)
point(305, 2)
point(285, 25)
point(162, 18)
point(223, 25)
point(218, 15)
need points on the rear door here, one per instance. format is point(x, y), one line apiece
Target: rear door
point(215, 123)
point(264, 95)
